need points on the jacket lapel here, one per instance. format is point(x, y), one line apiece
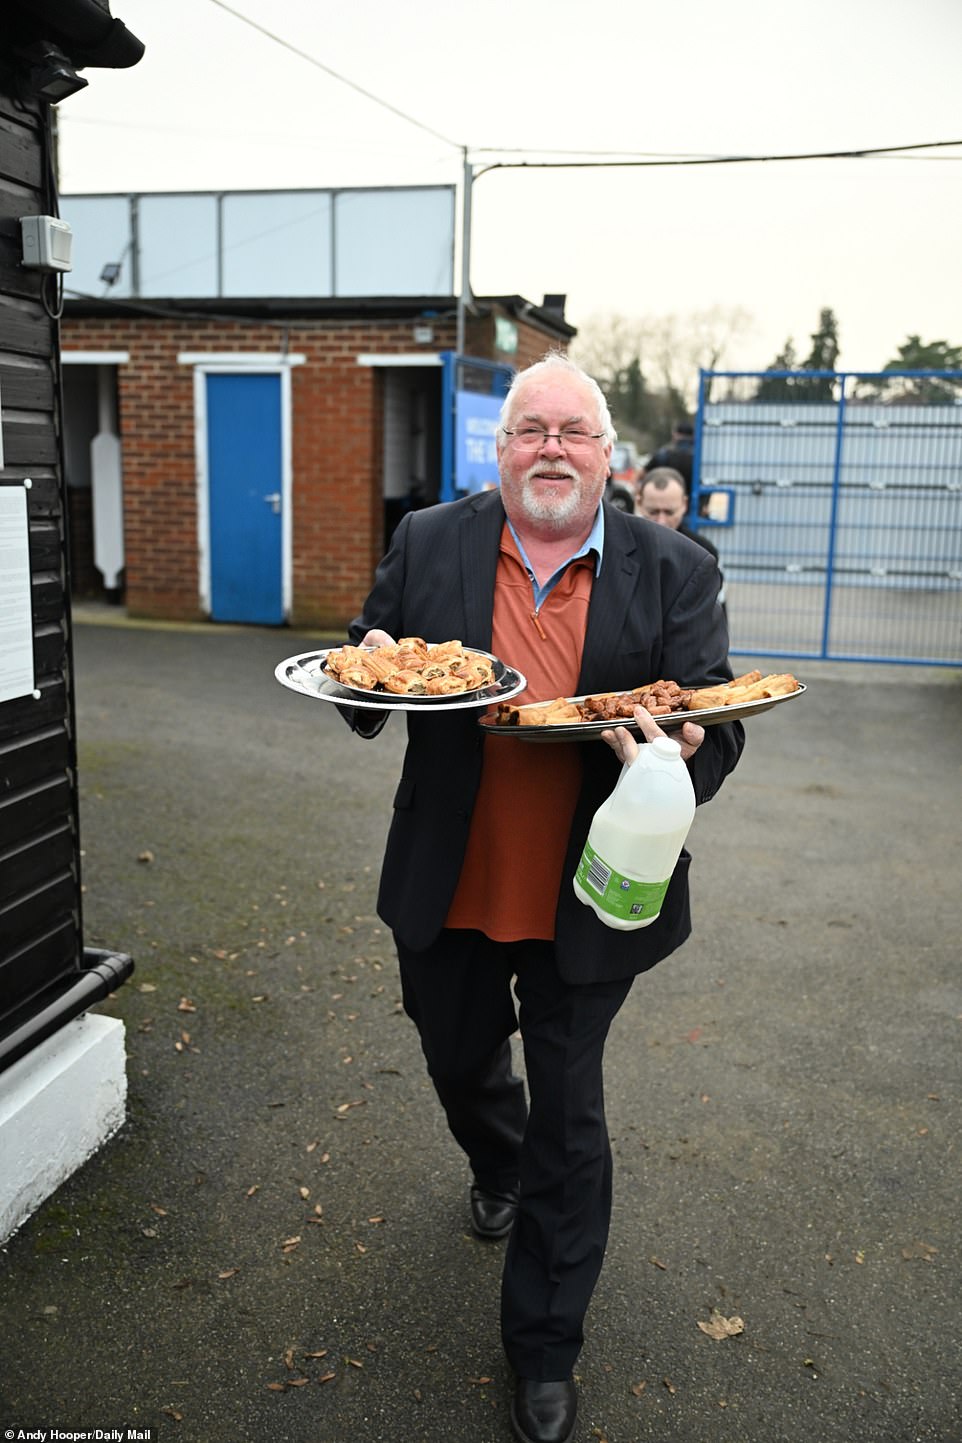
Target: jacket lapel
point(611, 598)
point(480, 540)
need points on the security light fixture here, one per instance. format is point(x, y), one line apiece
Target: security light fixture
point(110, 274)
point(48, 74)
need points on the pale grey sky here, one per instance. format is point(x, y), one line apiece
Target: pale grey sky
point(216, 105)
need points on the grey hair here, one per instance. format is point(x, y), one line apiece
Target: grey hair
point(558, 362)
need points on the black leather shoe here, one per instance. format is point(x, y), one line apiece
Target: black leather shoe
point(492, 1213)
point(544, 1412)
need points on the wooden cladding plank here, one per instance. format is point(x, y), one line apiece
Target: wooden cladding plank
point(31, 757)
point(42, 807)
point(47, 596)
point(25, 327)
point(49, 651)
point(26, 383)
point(16, 201)
point(43, 496)
point(36, 863)
point(35, 913)
point(27, 714)
point(28, 438)
point(39, 961)
point(46, 545)
point(21, 156)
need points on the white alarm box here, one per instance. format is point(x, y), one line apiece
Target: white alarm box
point(47, 243)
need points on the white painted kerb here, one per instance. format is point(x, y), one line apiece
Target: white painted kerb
point(58, 1105)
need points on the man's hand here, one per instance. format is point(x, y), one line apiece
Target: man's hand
point(376, 638)
point(624, 745)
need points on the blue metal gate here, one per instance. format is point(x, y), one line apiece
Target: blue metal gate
point(843, 539)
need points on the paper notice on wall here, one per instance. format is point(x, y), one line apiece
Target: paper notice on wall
point(16, 622)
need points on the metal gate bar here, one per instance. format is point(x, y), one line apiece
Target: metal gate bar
point(845, 540)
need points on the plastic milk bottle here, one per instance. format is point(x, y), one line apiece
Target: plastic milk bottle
point(636, 837)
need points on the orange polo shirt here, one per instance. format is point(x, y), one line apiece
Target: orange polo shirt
point(512, 871)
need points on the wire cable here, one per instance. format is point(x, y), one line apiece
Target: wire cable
point(313, 60)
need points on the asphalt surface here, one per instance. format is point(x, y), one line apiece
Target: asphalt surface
point(275, 1247)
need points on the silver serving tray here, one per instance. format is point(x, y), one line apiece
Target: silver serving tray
point(590, 731)
point(305, 674)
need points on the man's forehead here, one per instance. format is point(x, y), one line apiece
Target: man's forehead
point(566, 394)
point(673, 495)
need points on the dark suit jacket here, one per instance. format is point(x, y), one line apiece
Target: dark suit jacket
point(653, 614)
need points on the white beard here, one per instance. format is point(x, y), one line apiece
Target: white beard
point(557, 510)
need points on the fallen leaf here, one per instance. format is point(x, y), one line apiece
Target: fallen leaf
point(376, 1220)
point(925, 1251)
point(252, 1190)
point(145, 856)
point(277, 1387)
point(639, 1388)
point(669, 1385)
point(354, 1362)
point(149, 1232)
point(173, 1413)
point(321, 1353)
point(657, 1263)
point(228, 1273)
point(478, 1382)
point(346, 1106)
point(327, 1377)
point(297, 1382)
point(289, 1359)
point(721, 1327)
point(146, 987)
point(289, 1244)
point(305, 1192)
point(161, 1212)
point(185, 1005)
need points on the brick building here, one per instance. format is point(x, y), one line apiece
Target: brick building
point(347, 399)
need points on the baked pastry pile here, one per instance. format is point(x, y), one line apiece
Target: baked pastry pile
point(410, 667)
point(659, 698)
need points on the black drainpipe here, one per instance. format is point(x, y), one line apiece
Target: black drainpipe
point(103, 973)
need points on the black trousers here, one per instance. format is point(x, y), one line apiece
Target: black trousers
point(553, 1147)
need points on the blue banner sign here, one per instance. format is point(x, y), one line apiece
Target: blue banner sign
point(475, 458)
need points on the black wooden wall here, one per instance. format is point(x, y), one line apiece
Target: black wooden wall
point(40, 921)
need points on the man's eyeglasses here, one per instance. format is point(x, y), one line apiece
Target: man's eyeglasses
point(532, 438)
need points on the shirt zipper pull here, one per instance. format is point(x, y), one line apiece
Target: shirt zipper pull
point(540, 629)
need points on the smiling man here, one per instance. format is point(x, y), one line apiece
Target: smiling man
point(476, 883)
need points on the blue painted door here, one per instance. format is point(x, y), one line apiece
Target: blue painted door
point(244, 471)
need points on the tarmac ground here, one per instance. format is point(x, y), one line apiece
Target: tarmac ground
point(275, 1247)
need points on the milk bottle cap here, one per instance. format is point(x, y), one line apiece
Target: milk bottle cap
point(665, 747)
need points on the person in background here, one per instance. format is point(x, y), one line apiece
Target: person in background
point(678, 453)
point(476, 883)
point(663, 498)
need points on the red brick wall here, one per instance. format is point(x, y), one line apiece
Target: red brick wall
point(336, 440)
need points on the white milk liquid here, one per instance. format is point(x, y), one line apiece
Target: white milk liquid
point(636, 837)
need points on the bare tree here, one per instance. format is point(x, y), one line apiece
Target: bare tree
point(648, 366)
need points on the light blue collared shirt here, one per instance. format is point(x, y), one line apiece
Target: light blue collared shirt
point(594, 541)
